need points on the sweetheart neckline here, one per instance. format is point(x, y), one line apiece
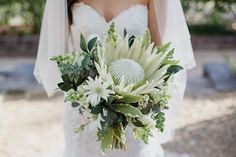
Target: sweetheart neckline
point(113, 18)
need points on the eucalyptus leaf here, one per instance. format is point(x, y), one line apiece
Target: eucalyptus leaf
point(85, 61)
point(137, 123)
point(83, 44)
point(92, 43)
point(96, 110)
point(66, 78)
point(110, 100)
point(75, 104)
point(131, 40)
point(173, 69)
point(65, 86)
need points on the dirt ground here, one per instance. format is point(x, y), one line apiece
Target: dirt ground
point(31, 125)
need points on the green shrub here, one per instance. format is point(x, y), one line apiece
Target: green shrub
point(30, 10)
point(213, 21)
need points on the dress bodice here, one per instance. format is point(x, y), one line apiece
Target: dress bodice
point(88, 21)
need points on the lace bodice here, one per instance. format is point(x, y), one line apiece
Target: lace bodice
point(87, 20)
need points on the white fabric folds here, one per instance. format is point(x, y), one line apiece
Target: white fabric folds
point(54, 38)
point(53, 41)
point(173, 28)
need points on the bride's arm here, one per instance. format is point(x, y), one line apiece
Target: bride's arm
point(153, 24)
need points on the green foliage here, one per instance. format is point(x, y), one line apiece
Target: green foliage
point(130, 99)
point(76, 67)
point(219, 5)
point(213, 22)
point(142, 133)
point(144, 112)
point(30, 10)
point(128, 110)
point(210, 29)
point(112, 138)
point(160, 120)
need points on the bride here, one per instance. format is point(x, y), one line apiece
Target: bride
point(65, 20)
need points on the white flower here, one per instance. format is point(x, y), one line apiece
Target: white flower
point(96, 90)
point(137, 69)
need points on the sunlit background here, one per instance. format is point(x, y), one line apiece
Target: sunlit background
point(31, 123)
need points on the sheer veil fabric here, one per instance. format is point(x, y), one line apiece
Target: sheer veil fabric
point(54, 38)
point(53, 41)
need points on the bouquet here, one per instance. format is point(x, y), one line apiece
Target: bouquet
point(120, 81)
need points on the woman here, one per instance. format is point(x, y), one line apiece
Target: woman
point(65, 20)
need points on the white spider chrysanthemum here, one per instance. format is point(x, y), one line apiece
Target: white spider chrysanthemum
point(96, 89)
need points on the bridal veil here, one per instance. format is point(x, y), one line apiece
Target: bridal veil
point(54, 38)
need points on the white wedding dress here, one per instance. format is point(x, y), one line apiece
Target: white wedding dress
point(88, 21)
point(56, 39)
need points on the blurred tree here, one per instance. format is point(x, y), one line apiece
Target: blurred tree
point(212, 21)
point(30, 10)
point(220, 6)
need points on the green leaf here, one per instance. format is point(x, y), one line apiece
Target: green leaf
point(147, 109)
point(129, 99)
point(107, 140)
point(110, 100)
point(160, 121)
point(119, 137)
point(146, 38)
point(142, 133)
point(66, 78)
point(85, 61)
point(173, 69)
point(75, 104)
point(127, 110)
point(131, 40)
point(92, 43)
point(125, 32)
point(83, 44)
point(96, 110)
point(137, 123)
point(164, 48)
point(65, 86)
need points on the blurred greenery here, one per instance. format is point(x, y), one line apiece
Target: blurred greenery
point(213, 21)
point(30, 10)
point(219, 5)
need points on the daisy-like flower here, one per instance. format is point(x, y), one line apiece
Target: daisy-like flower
point(96, 90)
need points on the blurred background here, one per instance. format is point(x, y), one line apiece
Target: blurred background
point(31, 123)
